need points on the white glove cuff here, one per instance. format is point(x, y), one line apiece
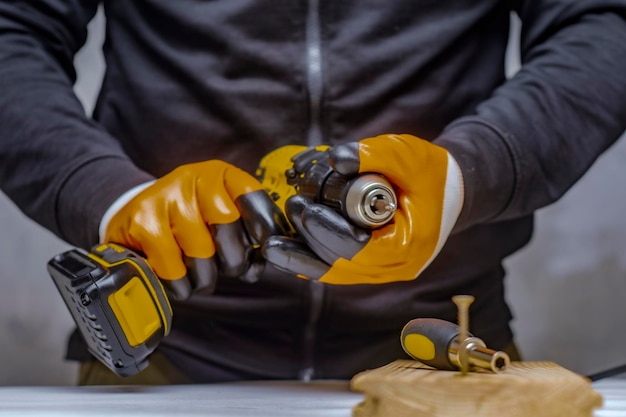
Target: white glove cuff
point(454, 194)
point(118, 204)
point(453, 197)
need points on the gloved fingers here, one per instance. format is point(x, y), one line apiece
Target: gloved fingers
point(295, 206)
point(261, 216)
point(159, 246)
point(201, 277)
point(215, 204)
point(255, 268)
point(220, 217)
point(232, 247)
point(428, 204)
point(190, 229)
point(328, 233)
point(178, 273)
point(240, 215)
point(220, 188)
point(357, 256)
point(202, 274)
point(177, 289)
point(397, 243)
point(345, 159)
point(384, 258)
point(192, 213)
point(390, 155)
point(197, 245)
point(164, 256)
point(161, 251)
point(238, 182)
point(294, 256)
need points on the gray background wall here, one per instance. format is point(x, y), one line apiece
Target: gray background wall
point(567, 288)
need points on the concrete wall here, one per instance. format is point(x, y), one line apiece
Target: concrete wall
point(566, 288)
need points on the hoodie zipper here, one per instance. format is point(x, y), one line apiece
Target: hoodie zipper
point(314, 138)
point(309, 336)
point(314, 71)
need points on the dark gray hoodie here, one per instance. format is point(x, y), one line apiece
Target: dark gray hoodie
point(190, 80)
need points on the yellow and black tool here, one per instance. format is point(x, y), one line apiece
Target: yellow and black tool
point(367, 200)
point(436, 343)
point(117, 302)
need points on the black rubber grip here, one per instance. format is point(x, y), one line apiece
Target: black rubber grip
point(428, 340)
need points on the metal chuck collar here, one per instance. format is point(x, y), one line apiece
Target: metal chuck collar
point(370, 201)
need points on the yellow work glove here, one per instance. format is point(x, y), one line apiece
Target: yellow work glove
point(429, 188)
point(196, 222)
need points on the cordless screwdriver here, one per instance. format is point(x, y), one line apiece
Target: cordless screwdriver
point(436, 343)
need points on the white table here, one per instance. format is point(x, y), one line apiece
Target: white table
point(249, 399)
point(613, 391)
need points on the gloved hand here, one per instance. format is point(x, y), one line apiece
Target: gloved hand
point(429, 187)
point(197, 220)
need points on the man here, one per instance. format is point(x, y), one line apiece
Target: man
point(196, 92)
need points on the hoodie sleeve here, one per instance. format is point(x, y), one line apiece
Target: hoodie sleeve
point(541, 130)
point(59, 166)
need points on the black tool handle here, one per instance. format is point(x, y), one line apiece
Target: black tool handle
point(428, 340)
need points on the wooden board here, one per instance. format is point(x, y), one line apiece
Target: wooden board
point(407, 388)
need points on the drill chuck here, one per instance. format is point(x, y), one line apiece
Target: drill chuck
point(369, 201)
point(366, 200)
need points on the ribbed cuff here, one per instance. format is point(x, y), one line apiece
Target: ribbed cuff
point(488, 164)
point(89, 192)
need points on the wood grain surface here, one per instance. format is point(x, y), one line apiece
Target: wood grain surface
point(525, 389)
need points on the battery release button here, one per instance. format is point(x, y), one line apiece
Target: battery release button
point(136, 312)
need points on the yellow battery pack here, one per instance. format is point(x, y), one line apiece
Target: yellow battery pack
point(117, 302)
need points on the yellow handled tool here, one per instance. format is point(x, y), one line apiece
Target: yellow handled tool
point(436, 343)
